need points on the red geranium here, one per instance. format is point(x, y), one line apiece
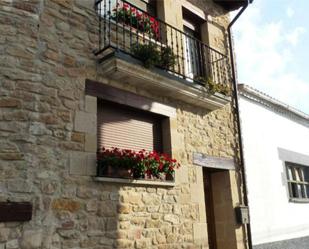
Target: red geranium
point(141, 163)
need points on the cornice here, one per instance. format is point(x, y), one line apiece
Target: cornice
point(273, 104)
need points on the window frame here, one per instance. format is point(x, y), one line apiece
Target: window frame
point(296, 177)
point(137, 114)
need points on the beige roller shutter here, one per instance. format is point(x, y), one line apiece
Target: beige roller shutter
point(127, 128)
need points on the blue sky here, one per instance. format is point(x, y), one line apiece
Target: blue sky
point(272, 50)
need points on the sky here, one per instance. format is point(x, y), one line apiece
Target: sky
point(271, 41)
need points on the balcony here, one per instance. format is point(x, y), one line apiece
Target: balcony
point(137, 47)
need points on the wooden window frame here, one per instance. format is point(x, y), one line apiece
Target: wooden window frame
point(296, 179)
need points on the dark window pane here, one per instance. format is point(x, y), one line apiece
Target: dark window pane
point(306, 174)
point(303, 191)
point(294, 190)
point(307, 191)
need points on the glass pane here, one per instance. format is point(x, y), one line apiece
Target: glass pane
point(297, 174)
point(299, 191)
point(294, 193)
point(301, 173)
point(306, 174)
point(303, 191)
point(307, 191)
point(290, 177)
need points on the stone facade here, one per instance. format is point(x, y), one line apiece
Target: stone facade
point(48, 144)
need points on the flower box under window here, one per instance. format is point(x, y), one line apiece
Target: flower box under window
point(141, 165)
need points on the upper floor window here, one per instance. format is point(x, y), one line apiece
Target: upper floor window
point(108, 6)
point(298, 181)
point(148, 6)
point(194, 51)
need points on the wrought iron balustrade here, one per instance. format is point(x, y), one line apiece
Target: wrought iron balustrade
point(125, 27)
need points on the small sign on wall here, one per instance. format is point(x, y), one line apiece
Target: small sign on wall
point(213, 162)
point(15, 211)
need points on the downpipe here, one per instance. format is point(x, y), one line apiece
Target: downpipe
point(235, 95)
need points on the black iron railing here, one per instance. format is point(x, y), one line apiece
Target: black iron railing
point(125, 27)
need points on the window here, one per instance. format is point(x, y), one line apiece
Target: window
point(148, 6)
point(298, 181)
point(193, 49)
point(125, 127)
point(107, 6)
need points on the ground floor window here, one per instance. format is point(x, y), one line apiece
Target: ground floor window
point(128, 128)
point(298, 181)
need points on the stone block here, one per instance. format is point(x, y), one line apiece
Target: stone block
point(123, 243)
point(197, 193)
point(123, 208)
point(107, 209)
point(78, 163)
point(31, 239)
point(91, 168)
point(4, 234)
point(19, 186)
point(11, 156)
point(142, 243)
point(10, 103)
point(78, 137)
point(85, 122)
point(132, 198)
point(202, 212)
point(181, 175)
point(171, 218)
point(200, 232)
point(65, 205)
point(92, 206)
point(90, 104)
point(199, 176)
point(177, 140)
point(12, 244)
point(91, 142)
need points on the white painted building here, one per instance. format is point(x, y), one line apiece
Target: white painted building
point(276, 152)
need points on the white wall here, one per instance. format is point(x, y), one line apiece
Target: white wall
point(273, 216)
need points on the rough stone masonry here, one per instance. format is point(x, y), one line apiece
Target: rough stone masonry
point(46, 54)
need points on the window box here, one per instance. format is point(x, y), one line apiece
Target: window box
point(141, 165)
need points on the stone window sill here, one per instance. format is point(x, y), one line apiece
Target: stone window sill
point(168, 184)
point(299, 200)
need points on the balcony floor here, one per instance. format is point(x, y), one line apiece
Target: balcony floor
point(119, 66)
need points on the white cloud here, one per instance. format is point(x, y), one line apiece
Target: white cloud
point(294, 36)
point(290, 12)
point(264, 53)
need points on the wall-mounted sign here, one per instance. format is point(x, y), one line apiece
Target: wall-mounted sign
point(15, 211)
point(213, 162)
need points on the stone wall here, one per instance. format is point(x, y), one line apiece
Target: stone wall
point(46, 54)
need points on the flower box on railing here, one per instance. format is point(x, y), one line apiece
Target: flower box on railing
point(128, 164)
point(131, 16)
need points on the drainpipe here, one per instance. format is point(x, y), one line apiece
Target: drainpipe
point(241, 153)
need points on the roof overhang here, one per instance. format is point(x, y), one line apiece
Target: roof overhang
point(231, 5)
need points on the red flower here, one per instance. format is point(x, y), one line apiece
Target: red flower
point(161, 166)
point(126, 6)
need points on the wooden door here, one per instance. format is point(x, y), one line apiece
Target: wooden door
point(211, 227)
